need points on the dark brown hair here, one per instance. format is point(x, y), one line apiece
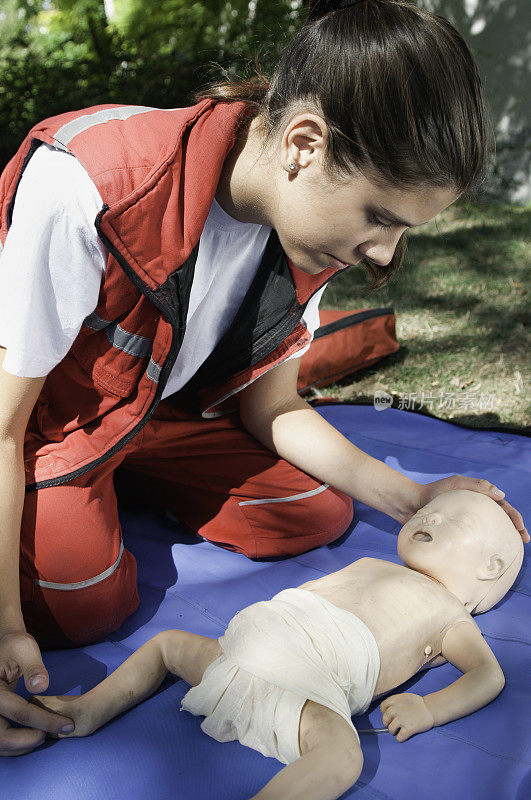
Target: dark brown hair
point(400, 93)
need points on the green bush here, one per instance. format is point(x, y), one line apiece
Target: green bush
point(63, 55)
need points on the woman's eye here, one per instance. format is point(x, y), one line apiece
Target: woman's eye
point(379, 224)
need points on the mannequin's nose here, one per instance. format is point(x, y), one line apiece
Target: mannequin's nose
point(431, 519)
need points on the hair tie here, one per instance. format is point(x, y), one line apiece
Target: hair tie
point(322, 7)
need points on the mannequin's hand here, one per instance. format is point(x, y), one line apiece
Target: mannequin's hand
point(405, 714)
point(431, 490)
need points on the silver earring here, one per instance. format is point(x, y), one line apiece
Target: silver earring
point(292, 167)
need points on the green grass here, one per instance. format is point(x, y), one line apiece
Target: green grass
point(462, 307)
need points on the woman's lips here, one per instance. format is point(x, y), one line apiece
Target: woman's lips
point(336, 263)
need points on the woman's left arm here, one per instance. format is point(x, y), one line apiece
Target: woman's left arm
point(273, 412)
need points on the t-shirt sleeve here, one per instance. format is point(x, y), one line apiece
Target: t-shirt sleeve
point(310, 319)
point(52, 263)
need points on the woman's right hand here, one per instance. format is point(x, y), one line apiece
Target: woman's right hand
point(20, 656)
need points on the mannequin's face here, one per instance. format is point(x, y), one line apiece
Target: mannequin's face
point(457, 539)
point(319, 219)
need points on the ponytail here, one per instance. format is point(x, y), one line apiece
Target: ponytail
point(252, 91)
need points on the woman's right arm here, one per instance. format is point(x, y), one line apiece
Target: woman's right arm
point(19, 652)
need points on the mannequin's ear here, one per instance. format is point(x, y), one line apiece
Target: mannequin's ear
point(491, 569)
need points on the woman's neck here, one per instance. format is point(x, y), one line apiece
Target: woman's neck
point(245, 182)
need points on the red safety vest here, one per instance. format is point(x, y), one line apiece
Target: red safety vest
point(157, 171)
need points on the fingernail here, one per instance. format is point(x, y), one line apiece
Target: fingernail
point(67, 729)
point(498, 493)
point(35, 682)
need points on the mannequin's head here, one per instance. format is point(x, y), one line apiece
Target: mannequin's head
point(467, 542)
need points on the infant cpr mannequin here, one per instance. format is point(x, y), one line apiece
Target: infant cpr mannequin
point(461, 554)
point(289, 672)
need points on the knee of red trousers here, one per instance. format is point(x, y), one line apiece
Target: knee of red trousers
point(73, 617)
point(261, 530)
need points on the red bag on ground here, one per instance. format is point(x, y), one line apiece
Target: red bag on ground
point(345, 342)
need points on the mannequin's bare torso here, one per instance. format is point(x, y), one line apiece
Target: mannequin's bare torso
point(407, 613)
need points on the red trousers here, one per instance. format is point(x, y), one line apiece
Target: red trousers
point(78, 583)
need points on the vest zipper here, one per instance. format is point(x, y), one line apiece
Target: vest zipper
point(268, 314)
point(285, 327)
point(166, 368)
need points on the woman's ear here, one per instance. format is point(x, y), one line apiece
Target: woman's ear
point(304, 137)
point(492, 569)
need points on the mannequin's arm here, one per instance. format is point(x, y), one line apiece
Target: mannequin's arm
point(482, 681)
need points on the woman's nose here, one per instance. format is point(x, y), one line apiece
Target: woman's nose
point(379, 252)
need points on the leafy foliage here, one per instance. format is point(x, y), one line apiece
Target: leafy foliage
point(57, 55)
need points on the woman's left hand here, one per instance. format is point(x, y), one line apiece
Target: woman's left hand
point(430, 490)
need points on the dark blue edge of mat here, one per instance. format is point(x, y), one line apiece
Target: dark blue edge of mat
point(324, 401)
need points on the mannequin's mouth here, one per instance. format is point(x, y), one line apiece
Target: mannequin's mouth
point(422, 536)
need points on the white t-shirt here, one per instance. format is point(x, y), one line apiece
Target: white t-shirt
point(53, 264)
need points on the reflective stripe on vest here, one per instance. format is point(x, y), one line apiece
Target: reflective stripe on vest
point(131, 343)
point(153, 371)
point(64, 135)
point(69, 587)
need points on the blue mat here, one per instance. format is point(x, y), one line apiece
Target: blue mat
point(155, 750)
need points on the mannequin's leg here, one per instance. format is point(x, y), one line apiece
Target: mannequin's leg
point(331, 759)
point(184, 654)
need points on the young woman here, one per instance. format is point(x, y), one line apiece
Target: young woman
point(161, 275)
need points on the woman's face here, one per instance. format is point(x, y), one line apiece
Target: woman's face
point(325, 223)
